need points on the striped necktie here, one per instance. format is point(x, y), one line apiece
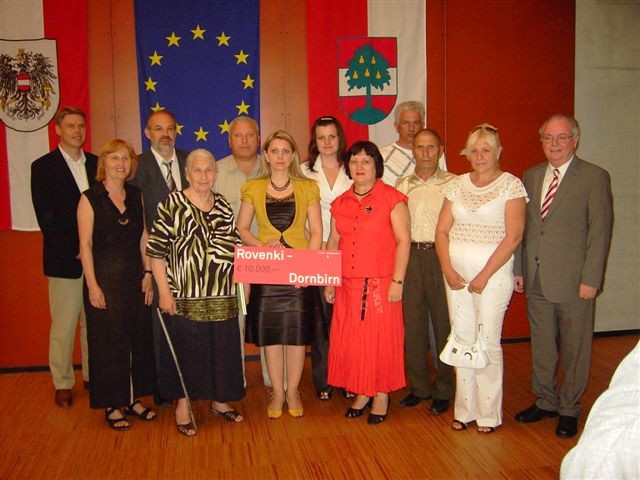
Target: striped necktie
point(171, 183)
point(551, 192)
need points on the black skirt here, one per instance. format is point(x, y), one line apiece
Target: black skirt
point(209, 357)
point(284, 315)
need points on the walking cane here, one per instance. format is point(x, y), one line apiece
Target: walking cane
point(175, 360)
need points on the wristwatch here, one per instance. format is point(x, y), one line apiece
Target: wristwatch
point(399, 282)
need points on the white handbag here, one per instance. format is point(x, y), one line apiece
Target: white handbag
point(460, 354)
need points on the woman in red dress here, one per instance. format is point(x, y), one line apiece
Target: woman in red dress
point(370, 225)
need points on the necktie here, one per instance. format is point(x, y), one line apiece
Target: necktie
point(551, 192)
point(171, 183)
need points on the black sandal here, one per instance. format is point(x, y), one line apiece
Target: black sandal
point(230, 415)
point(325, 393)
point(462, 425)
point(113, 421)
point(186, 428)
point(143, 415)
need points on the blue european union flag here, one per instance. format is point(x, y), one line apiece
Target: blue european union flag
point(200, 60)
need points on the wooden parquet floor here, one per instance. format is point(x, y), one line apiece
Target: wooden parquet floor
point(40, 441)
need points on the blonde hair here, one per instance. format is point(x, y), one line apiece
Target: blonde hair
point(483, 131)
point(294, 169)
point(113, 146)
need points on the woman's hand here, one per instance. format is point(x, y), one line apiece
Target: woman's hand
point(395, 292)
point(96, 297)
point(168, 304)
point(478, 284)
point(330, 294)
point(454, 280)
point(147, 289)
point(273, 243)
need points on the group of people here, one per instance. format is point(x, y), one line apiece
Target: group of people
point(426, 254)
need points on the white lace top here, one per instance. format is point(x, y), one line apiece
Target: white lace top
point(478, 212)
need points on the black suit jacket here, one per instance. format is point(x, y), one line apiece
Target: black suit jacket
point(55, 197)
point(150, 179)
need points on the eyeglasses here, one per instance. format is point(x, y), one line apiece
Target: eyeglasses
point(484, 126)
point(562, 138)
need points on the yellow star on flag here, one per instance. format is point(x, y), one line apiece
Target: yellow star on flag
point(241, 57)
point(223, 39)
point(179, 128)
point(157, 107)
point(198, 33)
point(155, 58)
point(243, 108)
point(248, 82)
point(150, 84)
point(224, 127)
point(201, 135)
point(173, 39)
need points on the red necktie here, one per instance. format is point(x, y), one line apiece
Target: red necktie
point(551, 192)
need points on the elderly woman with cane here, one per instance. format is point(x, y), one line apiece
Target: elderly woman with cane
point(191, 246)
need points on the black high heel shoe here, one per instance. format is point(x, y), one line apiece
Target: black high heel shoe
point(374, 418)
point(357, 412)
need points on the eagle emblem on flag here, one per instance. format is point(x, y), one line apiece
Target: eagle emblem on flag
point(29, 93)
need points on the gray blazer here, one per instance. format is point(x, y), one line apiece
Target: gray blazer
point(150, 179)
point(572, 244)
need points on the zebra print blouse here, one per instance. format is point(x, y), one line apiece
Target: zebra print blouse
point(198, 247)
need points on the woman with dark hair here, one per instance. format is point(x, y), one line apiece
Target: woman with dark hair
point(326, 166)
point(370, 225)
point(282, 318)
point(117, 286)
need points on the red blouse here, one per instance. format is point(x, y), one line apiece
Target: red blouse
point(367, 241)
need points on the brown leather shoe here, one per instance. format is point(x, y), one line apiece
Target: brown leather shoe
point(63, 398)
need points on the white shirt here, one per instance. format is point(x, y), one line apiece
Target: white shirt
point(327, 194)
point(548, 177)
point(175, 167)
point(78, 169)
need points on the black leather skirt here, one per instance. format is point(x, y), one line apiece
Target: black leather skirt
point(284, 315)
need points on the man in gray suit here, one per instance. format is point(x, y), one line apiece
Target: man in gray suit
point(560, 265)
point(161, 170)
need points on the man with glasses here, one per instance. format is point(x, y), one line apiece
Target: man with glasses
point(560, 265)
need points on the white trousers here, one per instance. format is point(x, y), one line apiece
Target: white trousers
point(479, 391)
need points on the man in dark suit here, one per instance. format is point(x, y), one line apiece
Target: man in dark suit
point(560, 266)
point(57, 180)
point(161, 170)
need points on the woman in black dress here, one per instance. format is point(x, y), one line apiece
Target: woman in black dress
point(117, 289)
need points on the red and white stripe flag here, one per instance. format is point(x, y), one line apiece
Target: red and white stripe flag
point(43, 55)
point(333, 26)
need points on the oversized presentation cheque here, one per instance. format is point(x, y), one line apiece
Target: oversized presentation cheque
point(287, 266)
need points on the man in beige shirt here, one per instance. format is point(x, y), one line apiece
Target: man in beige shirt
point(424, 294)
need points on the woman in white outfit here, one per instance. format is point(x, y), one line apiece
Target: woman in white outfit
point(479, 228)
point(325, 165)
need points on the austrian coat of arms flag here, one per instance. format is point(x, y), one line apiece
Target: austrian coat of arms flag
point(29, 92)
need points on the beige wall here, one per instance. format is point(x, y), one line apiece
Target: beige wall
point(607, 105)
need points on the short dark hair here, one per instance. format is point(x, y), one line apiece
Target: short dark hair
point(370, 149)
point(69, 110)
point(313, 144)
point(432, 132)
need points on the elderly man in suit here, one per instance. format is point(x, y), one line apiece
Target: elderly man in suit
point(161, 170)
point(57, 180)
point(560, 266)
